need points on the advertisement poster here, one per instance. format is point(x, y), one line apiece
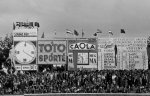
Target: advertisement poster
point(52, 52)
point(109, 60)
point(130, 53)
point(70, 61)
point(82, 58)
point(93, 59)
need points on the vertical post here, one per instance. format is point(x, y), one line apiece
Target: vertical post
point(37, 51)
point(97, 51)
point(66, 67)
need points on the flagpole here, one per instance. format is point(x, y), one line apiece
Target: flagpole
point(82, 33)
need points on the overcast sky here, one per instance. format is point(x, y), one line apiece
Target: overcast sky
point(89, 15)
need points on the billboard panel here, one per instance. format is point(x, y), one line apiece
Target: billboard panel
point(51, 52)
point(84, 53)
point(130, 53)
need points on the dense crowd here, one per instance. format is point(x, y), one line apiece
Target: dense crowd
point(103, 81)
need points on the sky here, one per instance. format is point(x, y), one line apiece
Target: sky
point(88, 15)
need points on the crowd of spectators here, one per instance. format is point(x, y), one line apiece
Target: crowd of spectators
point(85, 81)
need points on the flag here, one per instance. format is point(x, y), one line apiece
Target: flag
point(13, 26)
point(82, 33)
point(95, 34)
point(69, 31)
point(122, 31)
point(42, 35)
point(99, 31)
point(37, 24)
point(110, 32)
point(76, 33)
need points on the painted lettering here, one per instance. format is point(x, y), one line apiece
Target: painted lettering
point(61, 47)
point(48, 48)
point(82, 46)
point(41, 47)
point(52, 58)
point(51, 47)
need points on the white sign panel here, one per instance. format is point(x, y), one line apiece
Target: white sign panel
point(18, 67)
point(25, 67)
point(25, 34)
point(131, 53)
point(82, 46)
point(52, 52)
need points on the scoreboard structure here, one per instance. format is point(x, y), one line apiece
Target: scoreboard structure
point(25, 36)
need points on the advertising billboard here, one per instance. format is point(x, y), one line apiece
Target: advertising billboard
point(130, 53)
point(83, 53)
point(51, 52)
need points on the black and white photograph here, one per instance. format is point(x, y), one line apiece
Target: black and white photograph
point(74, 47)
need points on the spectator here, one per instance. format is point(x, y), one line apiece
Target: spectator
point(81, 81)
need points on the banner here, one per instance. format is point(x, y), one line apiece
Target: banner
point(52, 52)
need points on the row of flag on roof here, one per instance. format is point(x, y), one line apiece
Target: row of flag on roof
point(76, 33)
point(110, 32)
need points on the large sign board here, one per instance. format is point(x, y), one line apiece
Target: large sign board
point(131, 53)
point(82, 53)
point(52, 52)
